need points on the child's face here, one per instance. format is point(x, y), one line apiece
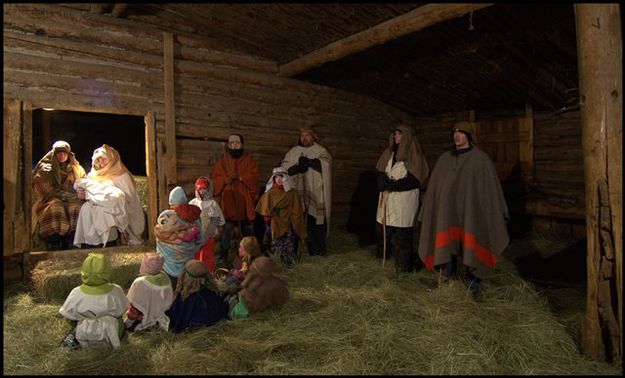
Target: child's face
point(279, 179)
point(242, 251)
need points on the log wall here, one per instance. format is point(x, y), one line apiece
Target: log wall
point(61, 58)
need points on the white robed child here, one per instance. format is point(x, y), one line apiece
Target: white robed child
point(211, 218)
point(150, 295)
point(97, 306)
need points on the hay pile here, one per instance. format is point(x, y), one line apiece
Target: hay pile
point(54, 278)
point(141, 185)
point(347, 315)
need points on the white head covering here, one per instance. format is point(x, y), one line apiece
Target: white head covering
point(286, 181)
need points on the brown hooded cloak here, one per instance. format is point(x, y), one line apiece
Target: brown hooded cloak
point(409, 151)
point(262, 287)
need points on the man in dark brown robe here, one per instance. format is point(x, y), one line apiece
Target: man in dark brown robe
point(464, 213)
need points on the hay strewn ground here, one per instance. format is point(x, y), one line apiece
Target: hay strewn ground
point(347, 315)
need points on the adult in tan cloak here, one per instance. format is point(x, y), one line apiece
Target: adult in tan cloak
point(113, 206)
point(281, 208)
point(402, 170)
point(310, 167)
point(464, 213)
point(55, 202)
point(235, 180)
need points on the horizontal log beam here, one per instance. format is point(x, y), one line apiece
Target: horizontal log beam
point(98, 8)
point(410, 22)
point(118, 9)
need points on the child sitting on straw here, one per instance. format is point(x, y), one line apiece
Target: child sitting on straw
point(196, 304)
point(97, 306)
point(261, 289)
point(211, 219)
point(248, 251)
point(150, 295)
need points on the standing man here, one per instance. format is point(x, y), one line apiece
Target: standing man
point(402, 170)
point(235, 177)
point(464, 213)
point(310, 168)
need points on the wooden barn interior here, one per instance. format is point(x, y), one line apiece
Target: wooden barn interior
point(540, 84)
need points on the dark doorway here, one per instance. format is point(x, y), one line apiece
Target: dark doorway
point(87, 131)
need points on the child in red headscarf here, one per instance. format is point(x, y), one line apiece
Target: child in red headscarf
point(211, 218)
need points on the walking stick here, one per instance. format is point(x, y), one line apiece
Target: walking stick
point(304, 243)
point(384, 200)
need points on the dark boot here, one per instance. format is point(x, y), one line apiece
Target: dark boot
point(451, 267)
point(69, 340)
point(474, 284)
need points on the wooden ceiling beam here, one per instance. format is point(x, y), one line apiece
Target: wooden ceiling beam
point(409, 22)
point(118, 9)
point(99, 8)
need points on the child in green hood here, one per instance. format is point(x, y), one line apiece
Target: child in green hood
point(97, 305)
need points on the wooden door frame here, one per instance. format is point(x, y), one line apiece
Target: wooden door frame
point(150, 150)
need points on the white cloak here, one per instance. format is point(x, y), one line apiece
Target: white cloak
point(106, 211)
point(314, 188)
point(211, 216)
point(97, 315)
point(152, 300)
point(400, 207)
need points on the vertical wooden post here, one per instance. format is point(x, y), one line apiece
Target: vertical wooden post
point(526, 146)
point(11, 140)
point(601, 83)
point(170, 109)
point(27, 128)
point(150, 168)
point(46, 138)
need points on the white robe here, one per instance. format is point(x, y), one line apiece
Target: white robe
point(152, 300)
point(211, 216)
point(97, 315)
point(314, 188)
point(108, 212)
point(400, 207)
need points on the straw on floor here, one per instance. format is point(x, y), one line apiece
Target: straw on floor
point(346, 315)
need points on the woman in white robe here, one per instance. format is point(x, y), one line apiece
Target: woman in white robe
point(105, 214)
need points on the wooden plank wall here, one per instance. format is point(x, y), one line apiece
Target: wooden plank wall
point(68, 59)
point(559, 166)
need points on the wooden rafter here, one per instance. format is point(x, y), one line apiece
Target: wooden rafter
point(118, 9)
point(99, 8)
point(409, 22)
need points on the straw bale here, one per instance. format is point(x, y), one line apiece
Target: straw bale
point(346, 315)
point(56, 276)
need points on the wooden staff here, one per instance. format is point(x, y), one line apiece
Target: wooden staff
point(384, 201)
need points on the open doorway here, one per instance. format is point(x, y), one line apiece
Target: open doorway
point(85, 131)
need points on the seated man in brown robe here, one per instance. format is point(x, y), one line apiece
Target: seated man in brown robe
point(56, 204)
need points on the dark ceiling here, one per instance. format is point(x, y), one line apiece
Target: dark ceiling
point(500, 57)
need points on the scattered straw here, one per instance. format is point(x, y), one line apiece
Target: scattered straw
point(346, 315)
